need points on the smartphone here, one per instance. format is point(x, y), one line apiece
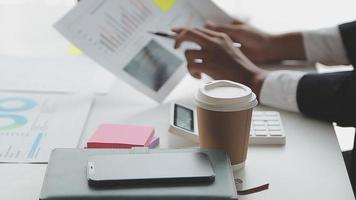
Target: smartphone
point(147, 168)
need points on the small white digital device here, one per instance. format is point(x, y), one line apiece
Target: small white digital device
point(266, 126)
point(183, 122)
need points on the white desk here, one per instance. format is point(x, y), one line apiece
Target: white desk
point(309, 166)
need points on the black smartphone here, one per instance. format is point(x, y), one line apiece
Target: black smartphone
point(176, 168)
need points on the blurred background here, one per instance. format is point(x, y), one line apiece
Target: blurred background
point(26, 27)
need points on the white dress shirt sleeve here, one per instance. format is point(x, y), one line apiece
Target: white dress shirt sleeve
point(280, 90)
point(324, 46)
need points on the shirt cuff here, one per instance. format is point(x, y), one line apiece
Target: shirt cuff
point(280, 90)
point(325, 46)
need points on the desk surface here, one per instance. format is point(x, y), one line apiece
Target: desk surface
point(309, 166)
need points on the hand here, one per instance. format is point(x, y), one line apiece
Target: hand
point(262, 47)
point(218, 58)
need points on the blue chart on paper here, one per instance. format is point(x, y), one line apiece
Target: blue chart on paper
point(16, 137)
point(10, 109)
point(35, 146)
point(21, 104)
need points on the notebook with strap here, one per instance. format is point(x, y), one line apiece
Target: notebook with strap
point(66, 178)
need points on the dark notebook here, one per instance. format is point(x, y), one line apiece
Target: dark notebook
point(66, 178)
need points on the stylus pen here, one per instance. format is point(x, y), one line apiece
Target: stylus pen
point(172, 36)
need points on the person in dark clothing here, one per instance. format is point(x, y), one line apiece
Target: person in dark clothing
point(326, 96)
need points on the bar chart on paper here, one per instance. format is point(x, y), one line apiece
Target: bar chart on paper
point(15, 124)
point(29, 126)
point(114, 33)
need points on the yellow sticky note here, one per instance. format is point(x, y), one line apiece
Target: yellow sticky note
point(164, 5)
point(73, 50)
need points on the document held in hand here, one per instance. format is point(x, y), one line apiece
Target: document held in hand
point(116, 35)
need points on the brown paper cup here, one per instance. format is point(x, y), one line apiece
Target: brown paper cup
point(224, 111)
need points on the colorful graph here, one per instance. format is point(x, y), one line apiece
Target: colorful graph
point(10, 105)
point(14, 121)
point(16, 104)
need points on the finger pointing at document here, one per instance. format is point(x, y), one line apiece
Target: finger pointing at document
point(218, 57)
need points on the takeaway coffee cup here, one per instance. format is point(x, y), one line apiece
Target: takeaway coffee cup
point(224, 111)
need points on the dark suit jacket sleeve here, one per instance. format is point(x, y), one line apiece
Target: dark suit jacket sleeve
point(332, 96)
point(348, 35)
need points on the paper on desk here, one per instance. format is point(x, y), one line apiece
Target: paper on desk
point(67, 74)
point(32, 125)
point(115, 34)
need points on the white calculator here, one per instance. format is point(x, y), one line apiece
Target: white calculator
point(266, 126)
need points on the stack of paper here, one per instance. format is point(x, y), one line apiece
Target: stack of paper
point(123, 136)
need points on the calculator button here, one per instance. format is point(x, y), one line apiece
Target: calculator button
point(274, 128)
point(268, 118)
point(261, 133)
point(259, 128)
point(260, 122)
point(275, 133)
point(269, 113)
point(259, 118)
point(273, 123)
point(257, 114)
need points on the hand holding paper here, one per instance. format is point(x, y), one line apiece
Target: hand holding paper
point(114, 34)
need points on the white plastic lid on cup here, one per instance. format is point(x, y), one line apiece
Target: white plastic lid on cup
point(225, 96)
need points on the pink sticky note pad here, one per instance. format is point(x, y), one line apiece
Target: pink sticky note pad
point(121, 136)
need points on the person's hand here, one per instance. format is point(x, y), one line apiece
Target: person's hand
point(262, 47)
point(218, 58)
